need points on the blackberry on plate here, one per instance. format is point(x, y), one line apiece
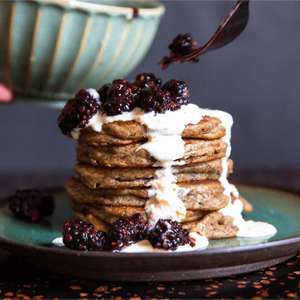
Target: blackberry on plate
point(79, 235)
point(118, 97)
point(179, 92)
point(126, 231)
point(168, 235)
point(145, 80)
point(78, 111)
point(31, 204)
point(155, 99)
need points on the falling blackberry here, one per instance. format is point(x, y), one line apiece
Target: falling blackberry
point(126, 231)
point(79, 235)
point(118, 97)
point(155, 99)
point(145, 80)
point(78, 111)
point(31, 204)
point(179, 92)
point(168, 235)
point(182, 45)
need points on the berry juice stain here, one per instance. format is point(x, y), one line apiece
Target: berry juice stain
point(135, 12)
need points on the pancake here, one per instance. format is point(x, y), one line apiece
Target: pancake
point(206, 195)
point(110, 214)
point(132, 155)
point(78, 192)
point(90, 219)
point(127, 132)
point(112, 178)
point(214, 226)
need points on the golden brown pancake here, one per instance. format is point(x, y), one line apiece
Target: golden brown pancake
point(205, 195)
point(126, 132)
point(118, 197)
point(133, 155)
point(111, 178)
point(110, 214)
point(214, 226)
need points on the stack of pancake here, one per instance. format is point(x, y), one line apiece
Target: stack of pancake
point(112, 178)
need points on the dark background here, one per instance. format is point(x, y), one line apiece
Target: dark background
point(256, 78)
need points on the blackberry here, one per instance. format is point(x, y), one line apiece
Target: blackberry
point(179, 92)
point(79, 235)
point(145, 80)
point(182, 44)
point(78, 111)
point(118, 97)
point(154, 99)
point(126, 231)
point(168, 235)
point(116, 106)
point(31, 204)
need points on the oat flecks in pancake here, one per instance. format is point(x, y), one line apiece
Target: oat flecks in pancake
point(109, 214)
point(214, 226)
point(133, 155)
point(81, 194)
point(106, 178)
point(206, 195)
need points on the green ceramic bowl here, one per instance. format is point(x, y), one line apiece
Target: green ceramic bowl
point(53, 48)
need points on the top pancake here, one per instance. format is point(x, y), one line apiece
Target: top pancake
point(127, 132)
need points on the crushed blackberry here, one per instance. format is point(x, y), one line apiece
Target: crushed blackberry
point(155, 99)
point(179, 92)
point(168, 235)
point(118, 97)
point(79, 235)
point(145, 80)
point(181, 45)
point(78, 111)
point(31, 204)
point(126, 231)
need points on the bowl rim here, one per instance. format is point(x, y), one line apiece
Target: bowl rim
point(155, 7)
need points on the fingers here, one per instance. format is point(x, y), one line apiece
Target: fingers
point(5, 94)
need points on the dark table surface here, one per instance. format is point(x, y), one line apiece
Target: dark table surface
point(21, 280)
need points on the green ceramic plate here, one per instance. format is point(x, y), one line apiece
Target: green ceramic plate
point(221, 258)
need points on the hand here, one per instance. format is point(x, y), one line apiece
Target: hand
point(5, 94)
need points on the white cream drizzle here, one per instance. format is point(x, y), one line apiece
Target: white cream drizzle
point(247, 228)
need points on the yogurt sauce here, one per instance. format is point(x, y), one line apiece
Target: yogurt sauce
point(145, 246)
point(166, 145)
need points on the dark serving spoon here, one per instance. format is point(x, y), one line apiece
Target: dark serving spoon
point(231, 27)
